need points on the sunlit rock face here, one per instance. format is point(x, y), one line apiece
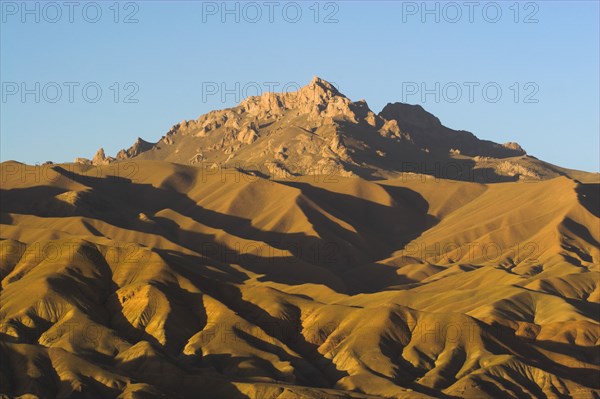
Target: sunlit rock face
point(321, 129)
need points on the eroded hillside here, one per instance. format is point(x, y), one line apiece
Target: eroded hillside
point(152, 279)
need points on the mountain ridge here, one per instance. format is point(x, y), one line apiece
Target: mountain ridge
point(168, 282)
point(319, 128)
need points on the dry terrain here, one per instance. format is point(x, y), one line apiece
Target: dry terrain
point(280, 249)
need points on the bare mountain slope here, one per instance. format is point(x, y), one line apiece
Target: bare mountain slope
point(317, 130)
point(167, 281)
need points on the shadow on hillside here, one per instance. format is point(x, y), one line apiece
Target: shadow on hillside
point(378, 230)
point(169, 379)
point(289, 258)
point(313, 368)
point(402, 156)
point(589, 197)
point(500, 338)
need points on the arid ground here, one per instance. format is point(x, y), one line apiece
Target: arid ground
point(280, 249)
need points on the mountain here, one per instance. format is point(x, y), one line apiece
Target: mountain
point(317, 130)
point(301, 246)
point(174, 283)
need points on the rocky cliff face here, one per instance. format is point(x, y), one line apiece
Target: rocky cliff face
point(136, 149)
point(319, 130)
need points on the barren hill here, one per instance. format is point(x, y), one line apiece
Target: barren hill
point(317, 130)
point(148, 279)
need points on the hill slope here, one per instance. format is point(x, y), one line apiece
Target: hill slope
point(153, 279)
point(318, 130)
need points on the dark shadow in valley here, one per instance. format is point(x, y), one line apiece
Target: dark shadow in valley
point(426, 151)
point(18, 381)
point(502, 340)
point(378, 231)
point(289, 258)
point(589, 197)
point(313, 368)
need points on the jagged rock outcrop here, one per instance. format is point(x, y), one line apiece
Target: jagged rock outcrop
point(427, 131)
point(101, 159)
point(319, 127)
point(137, 148)
point(81, 160)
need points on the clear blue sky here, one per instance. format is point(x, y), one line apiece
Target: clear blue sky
point(383, 52)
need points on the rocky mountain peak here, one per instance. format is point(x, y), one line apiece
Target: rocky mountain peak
point(322, 87)
point(408, 114)
point(318, 126)
point(137, 148)
point(100, 158)
point(313, 99)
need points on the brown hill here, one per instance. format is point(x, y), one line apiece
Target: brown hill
point(144, 279)
point(317, 130)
